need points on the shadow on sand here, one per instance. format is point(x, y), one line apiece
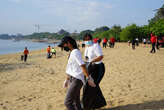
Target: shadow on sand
point(153, 105)
point(12, 66)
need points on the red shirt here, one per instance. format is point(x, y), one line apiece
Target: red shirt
point(95, 40)
point(153, 39)
point(48, 50)
point(112, 39)
point(26, 52)
point(105, 40)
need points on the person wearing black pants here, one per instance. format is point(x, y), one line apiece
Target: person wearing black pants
point(104, 44)
point(97, 72)
point(153, 48)
point(26, 52)
point(25, 58)
point(93, 97)
point(133, 44)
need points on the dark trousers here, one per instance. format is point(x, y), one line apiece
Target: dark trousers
point(48, 55)
point(72, 100)
point(104, 45)
point(133, 46)
point(157, 45)
point(25, 58)
point(97, 72)
point(153, 48)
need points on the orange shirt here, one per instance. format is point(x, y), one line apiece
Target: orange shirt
point(26, 52)
point(48, 50)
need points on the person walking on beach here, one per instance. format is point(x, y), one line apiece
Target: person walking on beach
point(49, 52)
point(133, 43)
point(75, 71)
point(144, 42)
point(137, 41)
point(153, 40)
point(93, 55)
point(105, 42)
point(112, 40)
point(53, 51)
point(26, 52)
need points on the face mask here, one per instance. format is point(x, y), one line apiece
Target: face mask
point(66, 49)
point(88, 43)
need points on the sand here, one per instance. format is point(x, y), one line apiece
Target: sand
point(134, 80)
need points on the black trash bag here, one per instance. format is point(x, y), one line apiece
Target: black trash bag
point(22, 57)
point(48, 55)
point(92, 97)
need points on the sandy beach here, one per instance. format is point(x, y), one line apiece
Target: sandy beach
point(134, 80)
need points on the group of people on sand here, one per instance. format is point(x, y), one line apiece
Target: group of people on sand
point(153, 40)
point(105, 42)
point(50, 53)
point(87, 73)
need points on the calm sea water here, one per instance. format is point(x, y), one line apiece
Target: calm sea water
point(11, 46)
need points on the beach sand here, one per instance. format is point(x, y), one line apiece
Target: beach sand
point(134, 80)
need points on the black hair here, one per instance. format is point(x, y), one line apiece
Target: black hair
point(72, 41)
point(87, 35)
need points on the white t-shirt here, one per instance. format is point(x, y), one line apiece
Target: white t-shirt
point(73, 67)
point(92, 52)
point(144, 40)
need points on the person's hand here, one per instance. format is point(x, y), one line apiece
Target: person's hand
point(91, 81)
point(66, 83)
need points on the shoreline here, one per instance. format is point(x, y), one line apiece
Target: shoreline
point(49, 42)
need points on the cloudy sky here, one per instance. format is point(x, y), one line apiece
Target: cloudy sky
point(21, 16)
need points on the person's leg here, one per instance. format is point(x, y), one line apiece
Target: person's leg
point(154, 47)
point(77, 103)
point(101, 71)
point(105, 45)
point(151, 48)
point(25, 58)
point(133, 46)
point(98, 72)
point(72, 100)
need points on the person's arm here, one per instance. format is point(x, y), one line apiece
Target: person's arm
point(79, 60)
point(84, 70)
point(97, 59)
point(98, 53)
point(66, 82)
point(88, 78)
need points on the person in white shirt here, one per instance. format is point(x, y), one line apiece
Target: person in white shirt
point(144, 42)
point(93, 55)
point(75, 71)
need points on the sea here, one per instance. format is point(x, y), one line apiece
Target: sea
point(14, 46)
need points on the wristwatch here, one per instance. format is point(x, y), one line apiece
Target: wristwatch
point(87, 78)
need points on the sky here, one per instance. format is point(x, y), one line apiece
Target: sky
point(22, 16)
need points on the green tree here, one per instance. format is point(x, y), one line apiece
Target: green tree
point(158, 15)
point(129, 32)
point(116, 29)
point(158, 28)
